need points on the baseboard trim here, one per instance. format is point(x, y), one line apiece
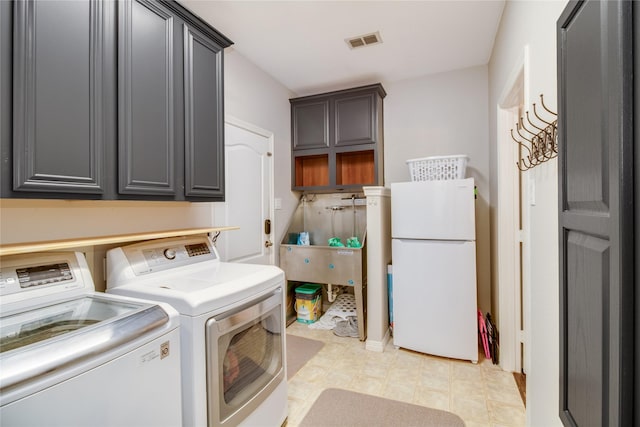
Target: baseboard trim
point(378, 346)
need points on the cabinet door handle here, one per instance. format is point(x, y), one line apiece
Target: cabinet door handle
point(268, 244)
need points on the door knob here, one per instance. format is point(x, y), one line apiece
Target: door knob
point(268, 243)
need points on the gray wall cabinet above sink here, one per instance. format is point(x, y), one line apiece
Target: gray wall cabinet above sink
point(136, 113)
point(337, 140)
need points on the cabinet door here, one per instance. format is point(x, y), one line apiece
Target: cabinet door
point(203, 112)
point(146, 145)
point(58, 103)
point(310, 124)
point(355, 120)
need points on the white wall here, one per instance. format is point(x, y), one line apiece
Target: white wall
point(254, 97)
point(41, 220)
point(533, 24)
point(444, 114)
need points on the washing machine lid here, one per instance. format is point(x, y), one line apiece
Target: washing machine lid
point(45, 339)
point(203, 288)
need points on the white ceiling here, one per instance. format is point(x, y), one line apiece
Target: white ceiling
point(302, 43)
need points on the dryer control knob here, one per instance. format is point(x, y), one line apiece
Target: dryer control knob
point(170, 253)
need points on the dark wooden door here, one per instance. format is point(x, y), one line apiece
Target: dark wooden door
point(596, 203)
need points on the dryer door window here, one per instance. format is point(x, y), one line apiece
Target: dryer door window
point(245, 360)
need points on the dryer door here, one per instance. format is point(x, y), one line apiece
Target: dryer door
point(245, 359)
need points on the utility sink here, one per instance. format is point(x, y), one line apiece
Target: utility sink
point(325, 217)
point(324, 264)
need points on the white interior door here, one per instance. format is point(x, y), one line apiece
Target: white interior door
point(249, 194)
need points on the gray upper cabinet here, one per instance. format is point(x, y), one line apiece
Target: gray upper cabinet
point(310, 124)
point(146, 119)
point(203, 118)
point(337, 140)
point(59, 100)
point(356, 119)
point(111, 100)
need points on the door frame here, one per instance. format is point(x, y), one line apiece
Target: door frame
point(249, 127)
point(509, 296)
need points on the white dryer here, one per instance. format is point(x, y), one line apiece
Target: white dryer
point(70, 356)
point(232, 322)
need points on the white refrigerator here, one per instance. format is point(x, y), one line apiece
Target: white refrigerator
point(434, 267)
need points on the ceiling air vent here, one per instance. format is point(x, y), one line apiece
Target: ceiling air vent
point(364, 40)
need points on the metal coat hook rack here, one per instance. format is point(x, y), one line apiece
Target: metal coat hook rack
point(539, 138)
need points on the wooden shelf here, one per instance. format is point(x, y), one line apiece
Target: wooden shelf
point(355, 168)
point(21, 248)
point(312, 171)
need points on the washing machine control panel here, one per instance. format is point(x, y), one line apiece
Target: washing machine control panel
point(42, 274)
point(39, 275)
point(163, 255)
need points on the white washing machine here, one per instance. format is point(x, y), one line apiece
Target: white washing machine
point(232, 321)
point(70, 356)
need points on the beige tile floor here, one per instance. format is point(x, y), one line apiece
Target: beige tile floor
point(481, 394)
